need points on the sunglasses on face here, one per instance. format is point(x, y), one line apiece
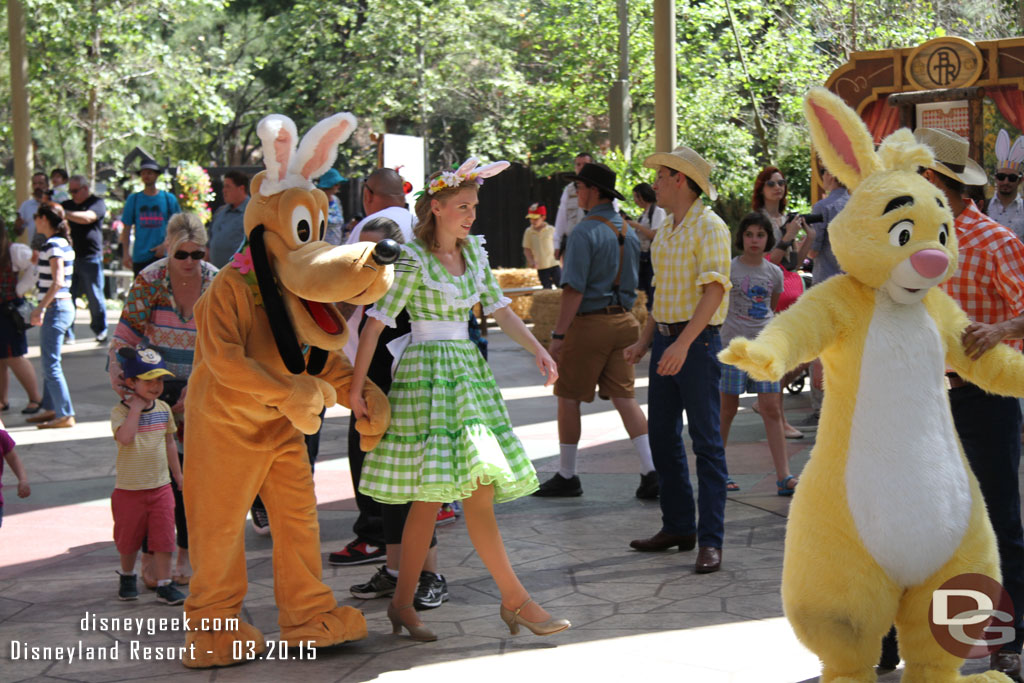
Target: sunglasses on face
point(776, 183)
point(1012, 177)
point(196, 255)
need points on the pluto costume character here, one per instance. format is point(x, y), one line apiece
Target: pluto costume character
point(267, 362)
point(888, 508)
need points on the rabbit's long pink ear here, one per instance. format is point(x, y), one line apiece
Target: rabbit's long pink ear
point(840, 137)
point(278, 135)
point(319, 147)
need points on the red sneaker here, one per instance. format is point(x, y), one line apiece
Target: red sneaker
point(357, 552)
point(446, 515)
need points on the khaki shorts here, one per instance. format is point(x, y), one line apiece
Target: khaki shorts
point(592, 356)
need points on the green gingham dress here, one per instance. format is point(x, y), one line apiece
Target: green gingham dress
point(450, 430)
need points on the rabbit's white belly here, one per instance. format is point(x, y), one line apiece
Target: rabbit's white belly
point(905, 480)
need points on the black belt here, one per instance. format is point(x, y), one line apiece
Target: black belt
point(607, 310)
point(674, 329)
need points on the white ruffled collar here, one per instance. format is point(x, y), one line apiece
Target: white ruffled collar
point(436, 277)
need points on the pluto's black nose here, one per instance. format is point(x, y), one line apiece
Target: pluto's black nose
point(386, 251)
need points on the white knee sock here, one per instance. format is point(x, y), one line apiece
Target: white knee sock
point(567, 459)
point(643, 450)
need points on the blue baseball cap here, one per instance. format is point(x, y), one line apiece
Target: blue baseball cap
point(143, 364)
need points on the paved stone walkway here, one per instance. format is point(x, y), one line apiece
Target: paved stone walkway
point(635, 616)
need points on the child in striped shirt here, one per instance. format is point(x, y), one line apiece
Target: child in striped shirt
point(142, 502)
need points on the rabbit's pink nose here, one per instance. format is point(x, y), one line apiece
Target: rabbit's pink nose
point(930, 263)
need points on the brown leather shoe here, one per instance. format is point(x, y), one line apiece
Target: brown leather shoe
point(708, 560)
point(44, 416)
point(58, 423)
point(1007, 663)
point(663, 541)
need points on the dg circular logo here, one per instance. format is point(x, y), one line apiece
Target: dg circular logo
point(971, 616)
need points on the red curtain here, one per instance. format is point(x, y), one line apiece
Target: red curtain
point(1010, 101)
point(881, 119)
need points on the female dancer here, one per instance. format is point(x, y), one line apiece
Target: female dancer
point(450, 435)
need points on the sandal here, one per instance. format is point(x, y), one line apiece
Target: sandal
point(32, 408)
point(730, 485)
point(784, 488)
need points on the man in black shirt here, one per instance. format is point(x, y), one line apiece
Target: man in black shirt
point(85, 213)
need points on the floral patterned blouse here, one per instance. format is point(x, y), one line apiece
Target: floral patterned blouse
point(152, 317)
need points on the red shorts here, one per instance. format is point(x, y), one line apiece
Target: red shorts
point(141, 514)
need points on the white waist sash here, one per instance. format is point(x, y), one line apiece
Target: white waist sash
point(424, 331)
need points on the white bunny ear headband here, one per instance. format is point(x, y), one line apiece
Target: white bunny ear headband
point(1009, 158)
point(288, 166)
point(467, 173)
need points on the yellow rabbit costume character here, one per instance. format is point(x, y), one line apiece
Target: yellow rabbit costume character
point(888, 509)
point(267, 361)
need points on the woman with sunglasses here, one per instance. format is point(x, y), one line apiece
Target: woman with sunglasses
point(158, 315)
point(54, 314)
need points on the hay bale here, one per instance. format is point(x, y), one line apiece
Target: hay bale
point(515, 278)
point(544, 313)
point(640, 308)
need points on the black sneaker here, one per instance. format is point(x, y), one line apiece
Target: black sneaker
point(811, 421)
point(128, 590)
point(169, 594)
point(382, 585)
point(648, 489)
point(358, 552)
point(431, 592)
point(260, 521)
point(560, 487)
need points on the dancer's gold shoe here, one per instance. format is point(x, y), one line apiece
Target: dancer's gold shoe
point(418, 632)
point(539, 628)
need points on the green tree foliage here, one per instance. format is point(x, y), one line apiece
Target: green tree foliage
point(525, 80)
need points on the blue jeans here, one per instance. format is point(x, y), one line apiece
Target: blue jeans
point(56, 320)
point(88, 280)
point(989, 429)
point(693, 389)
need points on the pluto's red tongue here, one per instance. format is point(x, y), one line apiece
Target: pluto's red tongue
point(322, 317)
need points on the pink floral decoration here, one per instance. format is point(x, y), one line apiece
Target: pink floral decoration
point(243, 261)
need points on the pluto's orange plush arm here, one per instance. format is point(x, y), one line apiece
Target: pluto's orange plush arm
point(225, 319)
point(338, 373)
point(800, 333)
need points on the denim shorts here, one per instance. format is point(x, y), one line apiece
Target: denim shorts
point(735, 382)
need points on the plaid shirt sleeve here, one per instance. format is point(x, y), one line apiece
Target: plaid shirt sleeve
point(1009, 274)
point(715, 255)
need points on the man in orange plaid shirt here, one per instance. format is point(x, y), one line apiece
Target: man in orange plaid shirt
point(989, 286)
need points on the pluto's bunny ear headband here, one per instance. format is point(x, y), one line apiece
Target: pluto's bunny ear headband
point(469, 172)
point(289, 166)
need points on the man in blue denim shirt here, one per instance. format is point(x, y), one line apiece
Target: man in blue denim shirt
point(594, 326)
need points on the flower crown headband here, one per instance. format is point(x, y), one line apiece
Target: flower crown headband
point(467, 173)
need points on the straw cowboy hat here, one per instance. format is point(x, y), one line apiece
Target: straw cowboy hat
point(687, 162)
point(951, 158)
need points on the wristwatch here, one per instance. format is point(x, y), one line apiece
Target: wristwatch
point(555, 335)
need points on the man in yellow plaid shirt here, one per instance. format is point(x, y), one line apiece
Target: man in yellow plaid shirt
point(691, 256)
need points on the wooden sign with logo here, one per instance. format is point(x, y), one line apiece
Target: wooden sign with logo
point(944, 63)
